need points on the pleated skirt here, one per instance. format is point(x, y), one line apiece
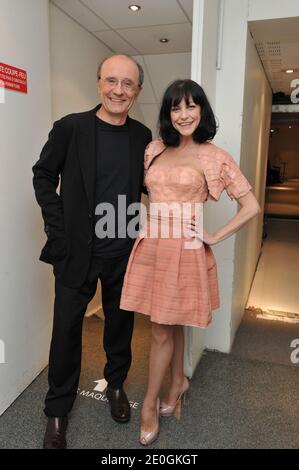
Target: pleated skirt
point(171, 284)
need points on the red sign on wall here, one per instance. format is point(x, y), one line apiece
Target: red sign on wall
point(13, 78)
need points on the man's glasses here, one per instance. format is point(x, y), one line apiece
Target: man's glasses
point(112, 82)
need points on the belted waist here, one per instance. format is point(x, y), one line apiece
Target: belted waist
point(167, 226)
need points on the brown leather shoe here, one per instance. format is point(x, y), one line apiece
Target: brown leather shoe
point(55, 433)
point(119, 404)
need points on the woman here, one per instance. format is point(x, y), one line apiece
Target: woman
point(173, 282)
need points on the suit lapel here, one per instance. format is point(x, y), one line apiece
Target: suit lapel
point(86, 153)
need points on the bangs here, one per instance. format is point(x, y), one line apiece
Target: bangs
point(183, 91)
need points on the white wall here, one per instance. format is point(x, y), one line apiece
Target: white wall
point(205, 60)
point(159, 71)
point(75, 55)
point(254, 154)
point(271, 9)
point(228, 110)
point(26, 287)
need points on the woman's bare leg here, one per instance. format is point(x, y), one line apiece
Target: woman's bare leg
point(176, 366)
point(162, 345)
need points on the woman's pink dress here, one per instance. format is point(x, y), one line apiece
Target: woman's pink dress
point(172, 284)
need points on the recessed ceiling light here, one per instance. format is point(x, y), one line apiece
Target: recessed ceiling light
point(134, 7)
point(164, 40)
point(290, 71)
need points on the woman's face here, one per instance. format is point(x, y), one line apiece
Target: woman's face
point(185, 118)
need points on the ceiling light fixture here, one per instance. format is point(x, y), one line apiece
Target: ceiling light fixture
point(134, 7)
point(289, 71)
point(164, 40)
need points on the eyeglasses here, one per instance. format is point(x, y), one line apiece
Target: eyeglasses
point(112, 82)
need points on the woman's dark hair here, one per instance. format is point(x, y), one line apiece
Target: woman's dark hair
point(186, 89)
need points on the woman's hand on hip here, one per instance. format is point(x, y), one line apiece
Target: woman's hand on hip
point(201, 234)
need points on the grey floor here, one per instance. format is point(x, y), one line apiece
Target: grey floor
point(247, 399)
point(275, 285)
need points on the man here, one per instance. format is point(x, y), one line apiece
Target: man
point(96, 156)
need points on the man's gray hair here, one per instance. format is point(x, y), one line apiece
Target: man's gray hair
point(140, 69)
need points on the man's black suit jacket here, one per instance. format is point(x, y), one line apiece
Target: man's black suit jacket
point(69, 157)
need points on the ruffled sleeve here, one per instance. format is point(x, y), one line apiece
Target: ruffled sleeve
point(222, 172)
point(152, 150)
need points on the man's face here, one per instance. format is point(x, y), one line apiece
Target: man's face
point(118, 87)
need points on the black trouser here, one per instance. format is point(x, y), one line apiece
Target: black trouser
point(66, 345)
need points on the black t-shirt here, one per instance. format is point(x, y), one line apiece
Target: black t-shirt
point(112, 180)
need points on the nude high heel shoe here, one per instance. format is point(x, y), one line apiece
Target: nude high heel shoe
point(146, 438)
point(176, 409)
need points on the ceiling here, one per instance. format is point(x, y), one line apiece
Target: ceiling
point(135, 33)
point(138, 33)
point(277, 43)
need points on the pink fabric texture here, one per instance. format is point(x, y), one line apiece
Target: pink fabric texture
point(172, 284)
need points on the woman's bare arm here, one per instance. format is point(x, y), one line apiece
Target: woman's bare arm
point(249, 209)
